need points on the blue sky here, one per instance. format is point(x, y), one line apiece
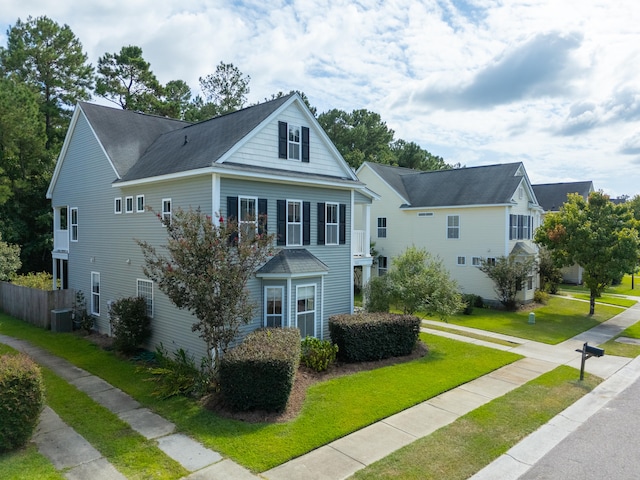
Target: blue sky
point(552, 83)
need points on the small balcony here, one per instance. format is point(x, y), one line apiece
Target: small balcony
point(61, 241)
point(360, 244)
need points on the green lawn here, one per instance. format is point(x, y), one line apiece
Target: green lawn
point(462, 448)
point(559, 320)
point(623, 289)
point(332, 409)
point(622, 349)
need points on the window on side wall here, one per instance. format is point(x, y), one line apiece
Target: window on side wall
point(453, 226)
point(145, 290)
point(166, 210)
point(140, 203)
point(294, 223)
point(476, 261)
point(95, 293)
point(462, 261)
point(117, 205)
point(382, 227)
point(74, 224)
point(382, 266)
point(128, 205)
point(248, 217)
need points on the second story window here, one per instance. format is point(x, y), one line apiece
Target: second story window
point(294, 222)
point(128, 204)
point(248, 217)
point(453, 226)
point(117, 205)
point(74, 224)
point(332, 219)
point(140, 203)
point(382, 227)
point(294, 142)
point(166, 209)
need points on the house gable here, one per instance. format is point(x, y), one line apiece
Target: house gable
point(553, 195)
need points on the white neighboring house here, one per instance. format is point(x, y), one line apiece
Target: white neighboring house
point(460, 215)
point(551, 197)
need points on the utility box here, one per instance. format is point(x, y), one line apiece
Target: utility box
point(61, 321)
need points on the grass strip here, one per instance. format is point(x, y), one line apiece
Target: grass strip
point(612, 347)
point(462, 448)
point(464, 333)
point(559, 320)
point(332, 408)
point(604, 299)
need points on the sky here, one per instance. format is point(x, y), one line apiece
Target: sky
point(554, 84)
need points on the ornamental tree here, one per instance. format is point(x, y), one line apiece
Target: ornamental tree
point(204, 268)
point(597, 235)
point(9, 260)
point(508, 275)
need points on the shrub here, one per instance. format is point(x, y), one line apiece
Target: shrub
point(377, 294)
point(178, 374)
point(318, 354)
point(81, 318)
point(40, 280)
point(21, 400)
point(259, 373)
point(373, 336)
point(471, 301)
point(130, 324)
point(540, 296)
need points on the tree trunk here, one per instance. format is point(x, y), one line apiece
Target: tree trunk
point(592, 303)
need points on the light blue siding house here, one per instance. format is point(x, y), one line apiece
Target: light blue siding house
point(271, 158)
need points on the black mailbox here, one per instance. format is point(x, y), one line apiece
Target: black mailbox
point(594, 351)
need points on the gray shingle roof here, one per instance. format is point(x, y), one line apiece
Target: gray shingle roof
point(551, 196)
point(293, 261)
point(485, 185)
point(205, 142)
point(126, 135)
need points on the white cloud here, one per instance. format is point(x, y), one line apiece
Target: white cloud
point(551, 83)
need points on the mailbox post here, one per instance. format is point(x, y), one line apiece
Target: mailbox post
point(587, 352)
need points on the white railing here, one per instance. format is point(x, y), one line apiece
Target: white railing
point(360, 244)
point(61, 240)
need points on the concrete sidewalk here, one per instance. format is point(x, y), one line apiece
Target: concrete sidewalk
point(343, 457)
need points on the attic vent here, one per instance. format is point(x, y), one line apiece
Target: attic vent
point(425, 214)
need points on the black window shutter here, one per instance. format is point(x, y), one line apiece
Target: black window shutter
point(306, 223)
point(321, 223)
point(232, 216)
point(282, 139)
point(282, 222)
point(343, 224)
point(305, 144)
point(262, 216)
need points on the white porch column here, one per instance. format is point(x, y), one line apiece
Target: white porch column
point(367, 231)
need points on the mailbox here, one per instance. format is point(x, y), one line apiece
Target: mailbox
point(594, 351)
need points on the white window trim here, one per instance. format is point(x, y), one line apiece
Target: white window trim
point(298, 224)
point(73, 236)
point(117, 201)
point(315, 302)
point(95, 296)
point(150, 283)
point(266, 300)
point(128, 201)
point(167, 213)
point(248, 222)
point(456, 227)
point(381, 229)
point(138, 198)
point(464, 260)
point(385, 269)
point(476, 261)
point(290, 142)
point(335, 224)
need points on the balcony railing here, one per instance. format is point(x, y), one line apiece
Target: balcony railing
point(61, 241)
point(360, 244)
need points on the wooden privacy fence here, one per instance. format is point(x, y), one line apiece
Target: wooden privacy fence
point(33, 305)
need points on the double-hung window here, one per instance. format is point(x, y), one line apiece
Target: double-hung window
point(273, 306)
point(453, 226)
point(95, 293)
point(294, 142)
point(166, 210)
point(140, 203)
point(462, 260)
point(332, 222)
point(306, 310)
point(74, 224)
point(128, 204)
point(294, 223)
point(145, 290)
point(382, 265)
point(117, 205)
point(248, 217)
point(382, 227)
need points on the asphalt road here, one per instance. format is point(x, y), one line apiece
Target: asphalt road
point(605, 447)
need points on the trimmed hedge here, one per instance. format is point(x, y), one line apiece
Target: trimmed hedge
point(21, 400)
point(259, 373)
point(373, 336)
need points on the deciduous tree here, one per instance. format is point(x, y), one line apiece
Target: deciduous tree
point(9, 260)
point(594, 233)
point(204, 268)
point(508, 275)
